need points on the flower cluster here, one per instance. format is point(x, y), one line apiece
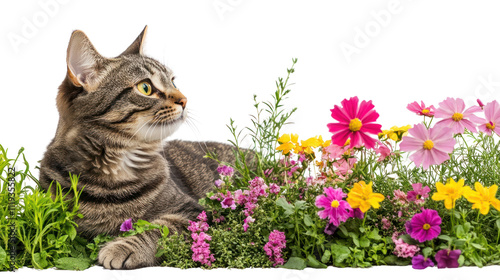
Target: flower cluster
point(274, 247)
point(200, 247)
point(403, 249)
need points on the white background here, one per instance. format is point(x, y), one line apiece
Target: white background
point(224, 51)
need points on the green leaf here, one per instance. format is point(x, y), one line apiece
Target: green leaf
point(407, 238)
point(374, 235)
point(344, 230)
point(364, 242)
point(3, 256)
point(295, 263)
point(141, 223)
point(391, 260)
point(354, 237)
point(307, 220)
point(313, 262)
point(73, 263)
point(300, 204)
point(498, 224)
point(326, 256)
point(340, 252)
point(444, 237)
point(460, 231)
point(427, 251)
point(289, 209)
point(478, 246)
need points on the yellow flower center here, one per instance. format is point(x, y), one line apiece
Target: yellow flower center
point(490, 125)
point(355, 125)
point(457, 117)
point(428, 144)
point(335, 203)
point(426, 226)
point(425, 111)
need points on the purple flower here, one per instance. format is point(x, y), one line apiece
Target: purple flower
point(335, 208)
point(127, 225)
point(425, 226)
point(225, 170)
point(419, 194)
point(421, 262)
point(356, 213)
point(330, 229)
point(447, 258)
point(219, 183)
point(274, 247)
point(228, 201)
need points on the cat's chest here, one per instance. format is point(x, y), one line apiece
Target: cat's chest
point(126, 164)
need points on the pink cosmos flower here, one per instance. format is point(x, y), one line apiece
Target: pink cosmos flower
point(335, 208)
point(354, 123)
point(492, 122)
point(421, 109)
point(454, 115)
point(383, 151)
point(419, 194)
point(430, 146)
point(425, 226)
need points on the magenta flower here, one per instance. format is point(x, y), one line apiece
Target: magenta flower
point(200, 246)
point(425, 226)
point(492, 113)
point(447, 258)
point(421, 109)
point(246, 222)
point(421, 262)
point(225, 170)
point(335, 208)
point(228, 201)
point(273, 188)
point(126, 225)
point(454, 115)
point(430, 146)
point(274, 247)
point(355, 123)
point(419, 194)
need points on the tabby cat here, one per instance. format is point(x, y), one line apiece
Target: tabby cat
point(113, 115)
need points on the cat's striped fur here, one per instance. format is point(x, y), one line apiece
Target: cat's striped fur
point(111, 134)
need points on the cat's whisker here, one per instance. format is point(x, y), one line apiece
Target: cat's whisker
point(197, 133)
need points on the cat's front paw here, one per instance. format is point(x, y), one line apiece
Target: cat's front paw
point(122, 253)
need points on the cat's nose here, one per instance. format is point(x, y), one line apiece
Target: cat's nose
point(182, 102)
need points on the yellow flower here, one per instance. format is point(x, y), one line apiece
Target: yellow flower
point(449, 192)
point(483, 197)
point(295, 138)
point(395, 133)
point(286, 146)
point(362, 196)
point(284, 138)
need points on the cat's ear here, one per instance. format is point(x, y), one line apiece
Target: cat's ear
point(83, 60)
point(136, 46)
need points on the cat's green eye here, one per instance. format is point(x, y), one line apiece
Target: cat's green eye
point(145, 88)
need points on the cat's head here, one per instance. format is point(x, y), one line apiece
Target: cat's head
point(131, 94)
